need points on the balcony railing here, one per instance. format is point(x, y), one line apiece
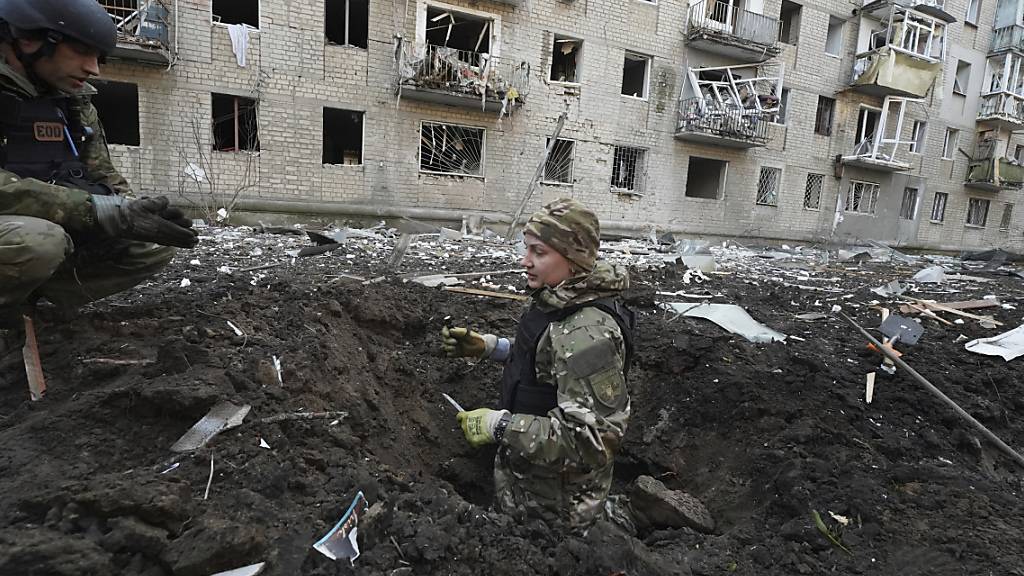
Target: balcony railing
point(889, 71)
point(742, 127)
point(461, 73)
point(1002, 106)
point(994, 174)
point(142, 29)
point(720, 21)
point(1008, 38)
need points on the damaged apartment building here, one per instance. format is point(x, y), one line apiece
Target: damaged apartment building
point(836, 121)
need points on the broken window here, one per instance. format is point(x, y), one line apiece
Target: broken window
point(464, 32)
point(917, 137)
point(768, 186)
point(812, 191)
point(118, 106)
point(867, 124)
point(566, 57)
point(558, 166)
point(962, 78)
point(451, 149)
point(908, 209)
point(1004, 223)
point(977, 212)
point(834, 37)
point(705, 178)
point(235, 123)
point(823, 116)
point(1018, 153)
point(973, 9)
point(939, 206)
point(628, 168)
point(780, 117)
point(862, 197)
point(346, 22)
point(237, 12)
point(949, 144)
point(635, 69)
point(343, 136)
point(789, 17)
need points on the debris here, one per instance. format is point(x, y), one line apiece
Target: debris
point(33, 363)
point(891, 289)
point(926, 312)
point(932, 305)
point(700, 262)
point(452, 401)
point(263, 444)
point(209, 482)
point(931, 275)
point(869, 387)
point(858, 256)
point(904, 330)
point(327, 238)
point(302, 416)
point(893, 253)
point(223, 416)
point(730, 317)
point(487, 293)
point(654, 504)
point(811, 316)
point(277, 370)
point(250, 570)
point(263, 267)
point(449, 234)
point(435, 280)
point(185, 282)
point(399, 252)
point(116, 362)
point(341, 541)
point(995, 256)
point(317, 250)
point(1009, 345)
point(968, 305)
point(172, 467)
point(238, 331)
point(832, 535)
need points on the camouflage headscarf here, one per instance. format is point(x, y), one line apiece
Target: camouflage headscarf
point(570, 229)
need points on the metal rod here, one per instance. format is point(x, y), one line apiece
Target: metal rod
point(938, 393)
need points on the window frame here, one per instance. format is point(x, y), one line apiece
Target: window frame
point(555, 37)
point(572, 165)
point(973, 201)
point(259, 17)
point(820, 192)
point(483, 151)
point(944, 205)
point(362, 137)
point(976, 5)
point(1006, 220)
point(639, 171)
point(915, 206)
point(874, 189)
point(917, 146)
point(946, 147)
point(778, 186)
point(958, 87)
point(831, 115)
point(842, 34)
point(648, 65)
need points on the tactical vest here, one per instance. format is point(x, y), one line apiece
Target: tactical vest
point(35, 143)
point(520, 391)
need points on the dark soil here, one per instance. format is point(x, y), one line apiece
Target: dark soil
point(764, 435)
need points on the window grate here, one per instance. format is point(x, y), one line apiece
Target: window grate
point(768, 186)
point(862, 197)
point(558, 167)
point(939, 206)
point(1007, 219)
point(812, 191)
point(977, 212)
point(628, 170)
point(451, 149)
point(908, 210)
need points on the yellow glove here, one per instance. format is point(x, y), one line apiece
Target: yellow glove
point(464, 343)
point(483, 425)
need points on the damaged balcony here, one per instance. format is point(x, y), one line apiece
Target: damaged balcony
point(936, 8)
point(723, 27)
point(1008, 38)
point(1002, 109)
point(1003, 103)
point(904, 57)
point(453, 77)
point(731, 106)
point(878, 140)
point(992, 172)
point(142, 30)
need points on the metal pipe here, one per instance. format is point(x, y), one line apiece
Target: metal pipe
point(938, 393)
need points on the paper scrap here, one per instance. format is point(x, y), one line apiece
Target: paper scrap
point(341, 541)
point(223, 416)
point(250, 570)
point(263, 444)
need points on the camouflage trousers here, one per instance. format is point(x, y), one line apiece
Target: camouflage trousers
point(556, 495)
point(39, 258)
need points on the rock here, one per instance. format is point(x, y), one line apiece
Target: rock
point(214, 545)
point(654, 505)
point(133, 535)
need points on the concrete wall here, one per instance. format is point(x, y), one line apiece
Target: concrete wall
point(294, 74)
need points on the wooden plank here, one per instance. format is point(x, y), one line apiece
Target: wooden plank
point(487, 293)
point(33, 364)
point(941, 308)
point(928, 313)
point(966, 305)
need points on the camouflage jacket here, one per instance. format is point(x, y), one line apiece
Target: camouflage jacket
point(68, 207)
point(560, 466)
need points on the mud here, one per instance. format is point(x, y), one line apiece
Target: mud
point(763, 435)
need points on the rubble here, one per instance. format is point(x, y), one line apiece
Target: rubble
point(654, 505)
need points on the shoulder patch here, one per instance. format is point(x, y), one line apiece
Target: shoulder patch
point(596, 357)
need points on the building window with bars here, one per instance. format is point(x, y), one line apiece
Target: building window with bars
point(977, 212)
point(451, 149)
point(908, 209)
point(1004, 223)
point(939, 206)
point(628, 168)
point(812, 191)
point(558, 166)
point(862, 197)
point(768, 186)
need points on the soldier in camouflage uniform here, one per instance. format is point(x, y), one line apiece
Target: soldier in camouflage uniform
point(69, 230)
point(564, 401)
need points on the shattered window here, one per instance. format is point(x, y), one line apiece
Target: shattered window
point(468, 34)
point(917, 137)
point(343, 136)
point(939, 206)
point(628, 168)
point(118, 106)
point(973, 9)
point(705, 178)
point(1007, 219)
point(977, 212)
point(558, 167)
point(949, 144)
point(812, 191)
point(768, 186)
point(908, 209)
point(237, 12)
point(451, 149)
point(789, 18)
point(565, 59)
point(823, 116)
point(635, 68)
point(834, 37)
point(862, 197)
point(346, 22)
point(962, 78)
point(235, 123)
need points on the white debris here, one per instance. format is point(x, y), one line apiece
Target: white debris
point(1009, 345)
point(729, 316)
point(185, 282)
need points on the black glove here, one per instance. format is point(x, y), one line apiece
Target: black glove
point(145, 219)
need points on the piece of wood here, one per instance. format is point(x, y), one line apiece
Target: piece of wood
point(928, 313)
point(116, 362)
point(302, 416)
point(966, 305)
point(869, 387)
point(33, 363)
point(399, 252)
point(939, 307)
point(487, 293)
point(417, 275)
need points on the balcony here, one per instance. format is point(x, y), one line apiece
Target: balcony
point(904, 57)
point(1008, 38)
point(730, 126)
point(877, 157)
point(934, 8)
point(1003, 109)
point(722, 27)
point(994, 174)
point(454, 77)
point(142, 30)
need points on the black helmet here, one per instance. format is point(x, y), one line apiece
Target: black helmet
point(82, 20)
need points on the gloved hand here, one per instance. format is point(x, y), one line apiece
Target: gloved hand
point(464, 343)
point(483, 425)
point(145, 219)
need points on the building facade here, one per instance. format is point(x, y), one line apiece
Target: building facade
point(828, 121)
